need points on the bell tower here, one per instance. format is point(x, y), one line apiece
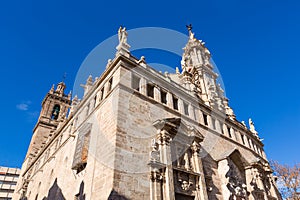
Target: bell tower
point(55, 107)
point(198, 72)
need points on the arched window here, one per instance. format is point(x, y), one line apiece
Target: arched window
point(55, 112)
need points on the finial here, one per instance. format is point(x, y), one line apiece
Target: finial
point(70, 95)
point(177, 70)
point(75, 100)
point(52, 89)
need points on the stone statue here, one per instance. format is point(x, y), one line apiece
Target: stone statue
point(122, 33)
point(154, 154)
point(251, 125)
point(244, 124)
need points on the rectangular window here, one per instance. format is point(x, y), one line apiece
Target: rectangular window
point(205, 119)
point(135, 84)
point(175, 103)
point(150, 90)
point(243, 139)
point(82, 148)
point(110, 82)
point(102, 94)
point(221, 126)
point(163, 96)
point(95, 101)
point(229, 132)
point(186, 108)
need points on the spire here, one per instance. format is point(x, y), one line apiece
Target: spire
point(55, 107)
point(52, 89)
point(198, 74)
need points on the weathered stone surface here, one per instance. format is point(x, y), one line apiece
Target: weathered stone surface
point(180, 140)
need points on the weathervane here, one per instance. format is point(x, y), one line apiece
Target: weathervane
point(189, 28)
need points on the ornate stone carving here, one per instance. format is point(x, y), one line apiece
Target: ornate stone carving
point(228, 110)
point(164, 137)
point(154, 154)
point(195, 147)
point(156, 176)
point(196, 80)
point(236, 183)
point(185, 182)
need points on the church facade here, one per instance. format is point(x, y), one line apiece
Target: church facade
point(141, 134)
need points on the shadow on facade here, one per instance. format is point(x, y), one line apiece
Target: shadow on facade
point(116, 196)
point(209, 165)
point(55, 192)
point(81, 195)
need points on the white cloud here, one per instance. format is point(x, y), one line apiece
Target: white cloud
point(23, 106)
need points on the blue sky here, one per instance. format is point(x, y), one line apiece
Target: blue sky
point(255, 45)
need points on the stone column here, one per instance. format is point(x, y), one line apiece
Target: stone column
point(250, 143)
point(199, 116)
point(209, 121)
point(170, 100)
point(198, 168)
point(239, 137)
point(232, 133)
point(93, 104)
point(165, 138)
point(155, 186)
point(143, 86)
point(180, 106)
point(191, 111)
point(246, 141)
point(218, 126)
point(225, 129)
point(157, 96)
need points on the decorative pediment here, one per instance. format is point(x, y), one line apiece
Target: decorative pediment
point(173, 126)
